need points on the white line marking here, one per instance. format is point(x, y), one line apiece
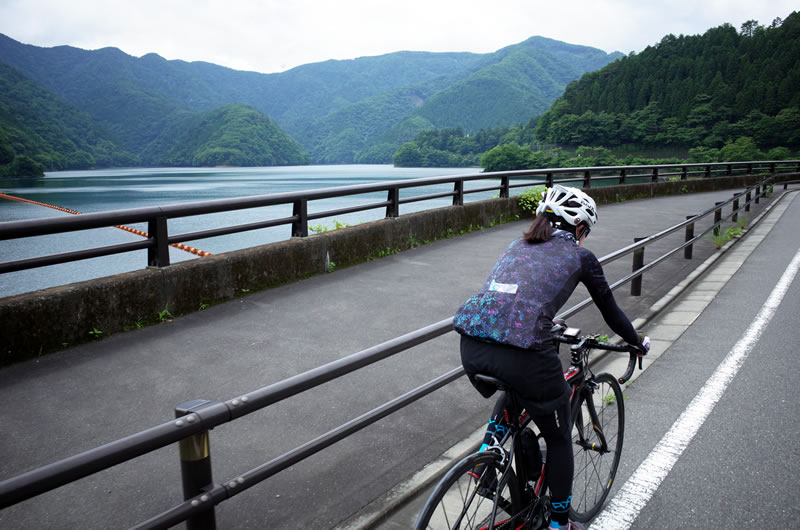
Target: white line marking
point(642, 485)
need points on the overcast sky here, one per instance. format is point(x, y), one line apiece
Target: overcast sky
point(273, 36)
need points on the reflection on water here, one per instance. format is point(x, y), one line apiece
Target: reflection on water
point(115, 189)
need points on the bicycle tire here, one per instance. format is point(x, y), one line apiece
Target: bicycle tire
point(456, 502)
point(601, 405)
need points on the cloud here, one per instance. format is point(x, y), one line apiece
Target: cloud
point(270, 36)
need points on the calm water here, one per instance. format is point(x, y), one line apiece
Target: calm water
point(105, 190)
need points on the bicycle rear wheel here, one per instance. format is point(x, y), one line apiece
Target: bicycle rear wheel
point(465, 497)
point(597, 434)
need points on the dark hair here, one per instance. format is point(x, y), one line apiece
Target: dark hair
point(541, 230)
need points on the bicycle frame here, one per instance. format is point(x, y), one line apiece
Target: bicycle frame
point(521, 494)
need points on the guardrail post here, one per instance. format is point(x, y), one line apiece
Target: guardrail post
point(504, 187)
point(749, 169)
point(772, 167)
point(685, 173)
point(708, 171)
point(300, 224)
point(196, 476)
point(393, 208)
point(158, 256)
point(458, 193)
point(548, 180)
point(758, 192)
point(655, 174)
point(747, 198)
point(735, 216)
point(587, 179)
point(687, 251)
point(717, 219)
point(638, 263)
point(730, 169)
point(622, 176)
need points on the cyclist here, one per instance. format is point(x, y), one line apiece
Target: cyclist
point(506, 327)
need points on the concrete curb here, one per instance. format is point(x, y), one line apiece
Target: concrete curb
point(398, 496)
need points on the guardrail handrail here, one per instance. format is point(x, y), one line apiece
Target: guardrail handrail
point(158, 216)
point(211, 414)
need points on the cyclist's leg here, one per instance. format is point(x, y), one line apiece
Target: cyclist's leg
point(555, 427)
point(497, 422)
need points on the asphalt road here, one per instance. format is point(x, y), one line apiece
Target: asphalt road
point(62, 404)
point(741, 469)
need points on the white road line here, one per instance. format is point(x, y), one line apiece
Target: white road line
point(640, 487)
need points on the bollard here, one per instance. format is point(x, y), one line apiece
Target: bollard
point(735, 216)
point(196, 475)
point(717, 219)
point(747, 201)
point(638, 263)
point(687, 251)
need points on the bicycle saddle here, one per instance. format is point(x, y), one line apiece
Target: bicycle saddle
point(501, 385)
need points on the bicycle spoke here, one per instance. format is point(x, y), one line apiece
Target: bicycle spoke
point(597, 435)
point(464, 500)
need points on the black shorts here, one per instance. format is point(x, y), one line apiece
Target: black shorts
point(535, 375)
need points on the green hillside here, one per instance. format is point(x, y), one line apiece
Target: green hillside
point(700, 91)
point(339, 111)
point(233, 135)
point(502, 88)
point(37, 125)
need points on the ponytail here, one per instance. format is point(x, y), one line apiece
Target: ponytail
point(541, 230)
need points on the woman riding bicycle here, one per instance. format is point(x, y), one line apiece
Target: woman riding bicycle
point(506, 327)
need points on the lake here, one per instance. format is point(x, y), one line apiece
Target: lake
point(115, 189)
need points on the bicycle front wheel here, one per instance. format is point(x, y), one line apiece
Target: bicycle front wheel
point(465, 497)
point(597, 435)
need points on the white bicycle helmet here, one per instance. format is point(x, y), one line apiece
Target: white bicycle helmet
point(570, 204)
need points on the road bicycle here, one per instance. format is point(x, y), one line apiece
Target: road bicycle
point(504, 484)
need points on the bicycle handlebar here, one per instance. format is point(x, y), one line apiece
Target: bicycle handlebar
point(631, 365)
point(593, 344)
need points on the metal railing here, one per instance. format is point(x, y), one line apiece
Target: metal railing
point(195, 418)
point(157, 217)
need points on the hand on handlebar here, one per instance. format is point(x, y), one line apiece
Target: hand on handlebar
point(644, 344)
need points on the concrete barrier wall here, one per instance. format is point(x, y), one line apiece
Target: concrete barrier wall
point(49, 320)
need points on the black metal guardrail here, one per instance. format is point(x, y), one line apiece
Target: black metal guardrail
point(195, 418)
point(156, 217)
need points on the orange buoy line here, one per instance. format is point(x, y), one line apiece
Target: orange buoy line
point(181, 246)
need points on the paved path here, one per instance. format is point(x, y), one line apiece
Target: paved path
point(88, 395)
point(735, 464)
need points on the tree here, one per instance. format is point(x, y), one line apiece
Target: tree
point(408, 155)
point(24, 166)
point(749, 28)
point(742, 150)
point(7, 153)
point(507, 157)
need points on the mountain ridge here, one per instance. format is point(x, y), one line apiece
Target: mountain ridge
point(337, 110)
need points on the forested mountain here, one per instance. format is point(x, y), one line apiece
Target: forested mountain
point(339, 111)
point(36, 124)
point(690, 91)
point(233, 135)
